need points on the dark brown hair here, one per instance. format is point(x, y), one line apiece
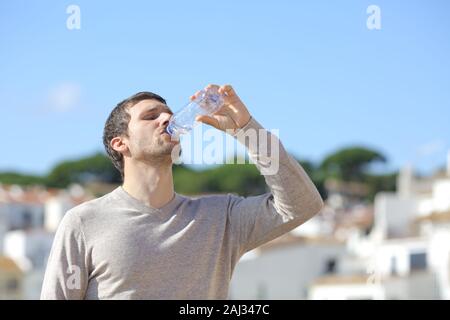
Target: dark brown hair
point(117, 125)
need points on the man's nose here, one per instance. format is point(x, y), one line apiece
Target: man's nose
point(165, 117)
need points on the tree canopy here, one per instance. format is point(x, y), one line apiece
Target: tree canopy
point(348, 164)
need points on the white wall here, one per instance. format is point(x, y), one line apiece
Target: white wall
point(394, 214)
point(21, 215)
point(29, 249)
point(32, 284)
point(417, 286)
point(360, 291)
point(393, 256)
point(441, 195)
point(55, 209)
point(3, 229)
point(282, 273)
point(440, 258)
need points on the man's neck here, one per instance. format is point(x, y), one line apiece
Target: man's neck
point(151, 185)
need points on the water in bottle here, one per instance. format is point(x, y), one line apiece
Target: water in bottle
point(206, 103)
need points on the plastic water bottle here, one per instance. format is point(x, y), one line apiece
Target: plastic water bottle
point(206, 103)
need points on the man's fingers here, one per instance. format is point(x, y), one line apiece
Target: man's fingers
point(208, 120)
point(209, 86)
point(227, 90)
point(195, 95)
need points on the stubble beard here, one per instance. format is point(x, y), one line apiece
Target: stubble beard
point(160, 153)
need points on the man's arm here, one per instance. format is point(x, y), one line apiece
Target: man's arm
point(66, 275)
point(293, 198)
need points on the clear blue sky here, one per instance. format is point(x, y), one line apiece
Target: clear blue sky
point(310, 68)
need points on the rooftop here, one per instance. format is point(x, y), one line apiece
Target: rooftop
point(8, 265)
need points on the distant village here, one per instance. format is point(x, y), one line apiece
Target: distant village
point(396, 248)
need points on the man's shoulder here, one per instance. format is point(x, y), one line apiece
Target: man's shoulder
point(91, 207)
point(212, 199)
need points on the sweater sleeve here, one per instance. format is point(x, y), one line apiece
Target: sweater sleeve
point(66, 275)
point(292, 200)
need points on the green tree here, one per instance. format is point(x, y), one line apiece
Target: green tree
point(21, 179)
point(317, 175)
point(94, 168)
point(350, 164)
point(383, 182)
point(243, 179)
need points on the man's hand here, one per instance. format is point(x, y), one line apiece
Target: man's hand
point(233, 115)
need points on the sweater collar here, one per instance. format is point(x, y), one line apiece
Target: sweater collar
point(168, 207)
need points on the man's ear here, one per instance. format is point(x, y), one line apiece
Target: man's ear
point(118, 144)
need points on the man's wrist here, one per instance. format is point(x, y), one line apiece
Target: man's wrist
point(235, 131)
point(245, 122)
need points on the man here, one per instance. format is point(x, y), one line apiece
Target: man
point(144, 241)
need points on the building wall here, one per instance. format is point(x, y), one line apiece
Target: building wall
point(29, 249)
point(282, 273)
point(32, 284)
point(22, 215)
point(416, 286)
point(2, 229)
point(10, 286)
point(393, 214)
point(441, 195)
point(360, 291)
point(440, 257)
point(55, 209)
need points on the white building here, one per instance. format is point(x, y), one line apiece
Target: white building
point(3, 228)
point(417, 286)
point(437, 227)
point(22, 209)
point(24, 213)
point(57, 205)
point(395, 214)
point(353, 287)
point(401, 257)
point(284, 269)
point(407, 253)
point(29, 249)
point(392, 269)
point(32, 284)
point(55, 209)
point(11, 279)
point(35, 208)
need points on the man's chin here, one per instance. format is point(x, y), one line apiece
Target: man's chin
point(163, 150)
point(170, 147)
point(168, 138)
point(161, 156)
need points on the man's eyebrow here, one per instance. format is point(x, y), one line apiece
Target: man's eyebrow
point(153, 108)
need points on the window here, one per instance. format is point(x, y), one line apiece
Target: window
point(418, 261)
point(12, 285)
point(27, 219)
point(330, 266)
point(393, 265)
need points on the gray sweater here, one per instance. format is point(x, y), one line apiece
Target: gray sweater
point(116, 247)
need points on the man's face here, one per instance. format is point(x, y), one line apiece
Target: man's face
point(147, 139)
